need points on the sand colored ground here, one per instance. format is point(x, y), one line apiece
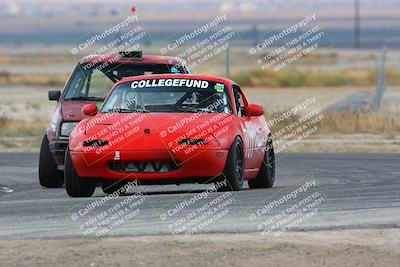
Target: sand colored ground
point(368, 247)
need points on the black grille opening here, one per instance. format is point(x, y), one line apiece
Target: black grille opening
point(193, 141)
point(144, 166)
point(95, 143)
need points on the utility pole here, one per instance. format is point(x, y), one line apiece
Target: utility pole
point(380, 82)
point(254, 34)
point(227, 63)
point(357, 32)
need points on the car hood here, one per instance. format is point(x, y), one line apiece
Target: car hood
point(161, 119)
point(71, 110)
point(154, 131)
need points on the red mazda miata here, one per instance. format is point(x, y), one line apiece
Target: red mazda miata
point(170, 129)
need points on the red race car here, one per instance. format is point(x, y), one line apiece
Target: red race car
point(170, 129)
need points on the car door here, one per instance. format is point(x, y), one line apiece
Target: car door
point(252, 146)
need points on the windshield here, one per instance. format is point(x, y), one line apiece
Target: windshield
point(93, 82)
point(169, 95)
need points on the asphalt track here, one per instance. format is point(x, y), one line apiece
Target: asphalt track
point(357, 190)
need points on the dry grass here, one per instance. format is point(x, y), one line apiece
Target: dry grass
point(36, 59)
point(281, 124)
point(298, 78)
point(350, 123)
point(32, 79)
point(18, 135)
point(344, 123)
point(370, 122)
point(3, 121)
point(17, 128)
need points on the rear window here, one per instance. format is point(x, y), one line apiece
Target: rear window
point(93, 82)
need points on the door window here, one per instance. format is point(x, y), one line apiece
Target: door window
point(239, 101)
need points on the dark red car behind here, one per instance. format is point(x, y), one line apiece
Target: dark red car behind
point(90, 82)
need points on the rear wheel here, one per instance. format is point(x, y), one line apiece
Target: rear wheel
point(49, 176)
point(75, 185)
point(266, 175)
point(234, 168)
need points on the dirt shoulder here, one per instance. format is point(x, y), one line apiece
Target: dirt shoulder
point(377, 247)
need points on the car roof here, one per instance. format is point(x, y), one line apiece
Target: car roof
point(176, 76)
point(146, 59)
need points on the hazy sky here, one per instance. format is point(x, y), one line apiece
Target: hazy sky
point(78, 15)
point(273, 7)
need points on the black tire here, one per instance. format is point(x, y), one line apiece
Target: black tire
point(109, 187)
point(75, 185)
point(49, 176)
point(266, 175)
point(234, 167)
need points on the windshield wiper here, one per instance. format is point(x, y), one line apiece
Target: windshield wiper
point(90, 98)
point(205, 110)
point(193, 110)
point(126, 110)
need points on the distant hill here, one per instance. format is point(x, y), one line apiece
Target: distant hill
point(50, 21)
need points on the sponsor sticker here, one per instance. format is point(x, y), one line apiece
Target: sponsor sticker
point(219, 87)
point(174, 70)
point(170, 82)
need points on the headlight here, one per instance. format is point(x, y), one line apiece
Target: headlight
point(67, 128)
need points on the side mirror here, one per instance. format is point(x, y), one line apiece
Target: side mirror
point(54, 95)
point(255, 110)
point(90, 109)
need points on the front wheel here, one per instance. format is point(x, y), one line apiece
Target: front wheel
point(234, 168)
point(49, 176)
point(75, 185)
point(266, 176)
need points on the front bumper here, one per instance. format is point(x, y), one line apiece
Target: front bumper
point(203, 164)
point(57, 149)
